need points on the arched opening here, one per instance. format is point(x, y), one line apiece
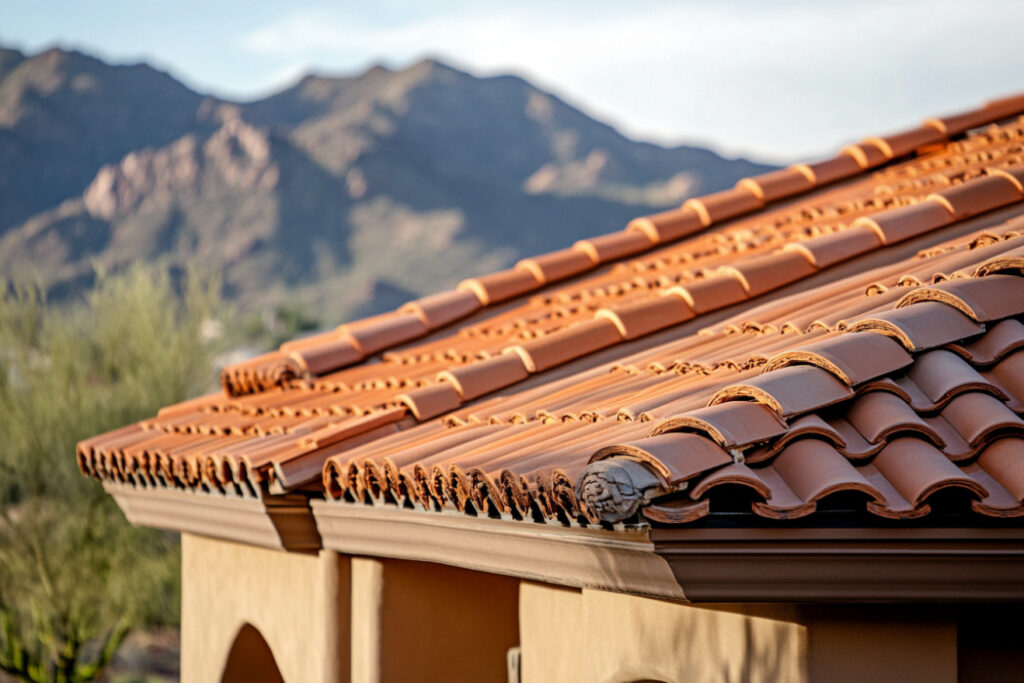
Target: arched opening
point(250, 660)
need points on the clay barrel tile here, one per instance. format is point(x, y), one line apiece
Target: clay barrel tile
point(482, 377)
point(941, 374)
point(432, 400)
point(734, 424)
point(438, 310)
point(614, 245)
point(866, 154)
point(327, 356)
point(768, 272)
point(922, 326)
point(917, 469)
point(1010, 262)
point(827, 250)
point(721, 206)
point(385, 331)
point(992, 297)
point(878, 415)
point(905, 142)
point(813, 469)
point(1008, 374)
point(1001, 339)
point(558, 265)
point(1015, 174)
point(905, 222)
point(839, 167)
point(643, 316)
point(853, 358)
point(1004, 107)
point(978, 196)
point(676, 511)
point(710, 294)
point(955, 124)
point(779, 184)
point(1004, 461)
point(500, 286)
point(567, 344)
point(789, 391)
point(734, 474)
point(978, 416)
point(669, 225)
point(677, 457)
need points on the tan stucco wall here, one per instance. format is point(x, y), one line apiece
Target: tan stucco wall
point(418, 621)
point(298, 603)
point(328, 617)
point(588, 635)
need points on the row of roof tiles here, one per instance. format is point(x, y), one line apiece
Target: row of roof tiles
point(904, 421)
point(308, 406)
point(219, 453)
point(354, 342)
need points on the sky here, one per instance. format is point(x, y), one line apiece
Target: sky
point(772, 80)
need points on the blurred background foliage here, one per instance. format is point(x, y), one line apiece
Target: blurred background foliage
point(75, 578)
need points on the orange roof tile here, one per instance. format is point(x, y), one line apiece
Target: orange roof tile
point(848, 330)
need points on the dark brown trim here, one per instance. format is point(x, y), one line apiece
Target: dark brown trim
point(281, 522)
point(845, 565)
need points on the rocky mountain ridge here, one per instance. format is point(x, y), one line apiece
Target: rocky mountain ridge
point(390, 180)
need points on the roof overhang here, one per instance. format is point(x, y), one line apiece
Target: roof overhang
point(280, 522)
point(622, 561)
point(846, 564)
point(832, 565)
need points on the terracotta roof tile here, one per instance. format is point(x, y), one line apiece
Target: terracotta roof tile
point(774, 185)
point(641, 317)
point(905, 222)
point(482, 377)
point(614, 245)
point(923, 326)
point(721, 206)
point(668, 226)
point(444, 308)
point(983, 299)
point(769, 272)
point(978, 196)
point(828, 171)
point(905, 142)
point(790, 390)
point(832, 248)
point(853, 358)
point(498, 287)
point(844, 369)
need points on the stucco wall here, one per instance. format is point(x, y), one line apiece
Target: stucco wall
point(298, 602)
point(596, 636)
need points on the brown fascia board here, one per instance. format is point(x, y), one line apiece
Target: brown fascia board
point(845, 565)
point(621, 561)
point(279, 522)
point(699, 565)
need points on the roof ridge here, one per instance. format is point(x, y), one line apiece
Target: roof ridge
point(353, 342)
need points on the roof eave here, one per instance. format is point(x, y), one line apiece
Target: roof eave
point(845, 565)
point(278, 522)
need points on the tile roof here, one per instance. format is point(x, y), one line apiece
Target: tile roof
point(847, 332)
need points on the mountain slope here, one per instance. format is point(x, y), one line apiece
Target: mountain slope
point(392, 180)
point(64, 114)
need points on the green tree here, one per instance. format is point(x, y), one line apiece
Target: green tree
point(74, 576)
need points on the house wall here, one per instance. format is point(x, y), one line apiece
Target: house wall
point(284, 596)
point(330, 617)
point(588, 635)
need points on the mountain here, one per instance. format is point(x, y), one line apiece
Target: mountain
point(324, 193)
